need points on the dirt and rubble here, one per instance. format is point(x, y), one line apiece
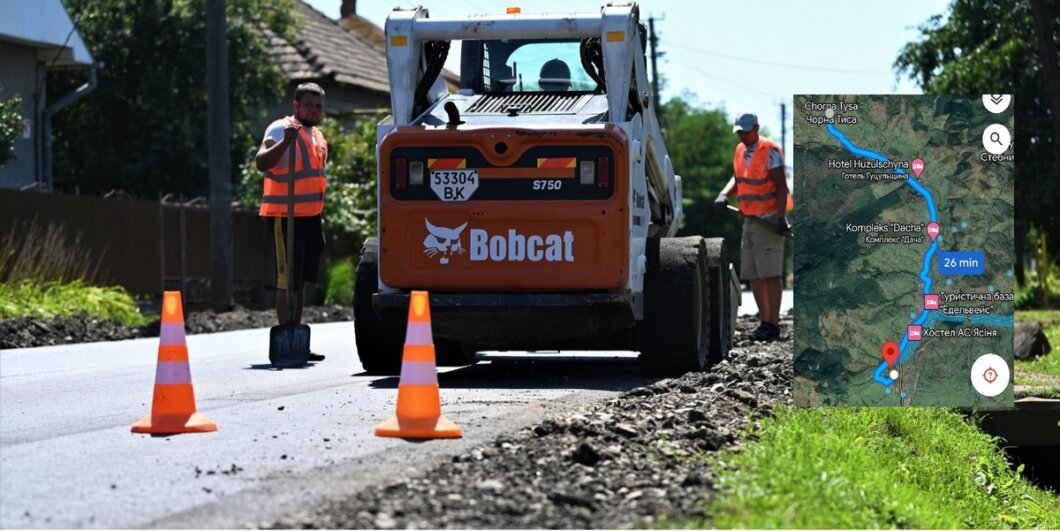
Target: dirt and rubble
point(620, 463)
point(25, 332)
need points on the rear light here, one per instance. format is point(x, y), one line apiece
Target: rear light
point(587, 173)
point(416, 172)
point(401, 173)
point(603, 172)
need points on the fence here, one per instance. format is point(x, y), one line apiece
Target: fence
point(149, 246)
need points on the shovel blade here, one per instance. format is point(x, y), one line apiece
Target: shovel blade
point(289, 345)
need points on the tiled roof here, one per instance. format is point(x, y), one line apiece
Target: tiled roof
point(325, 50)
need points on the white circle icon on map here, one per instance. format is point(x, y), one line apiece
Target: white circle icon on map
point(996, 103)
point(990, 375)
point(996, 139)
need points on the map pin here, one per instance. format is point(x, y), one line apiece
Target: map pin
point(890, 353)
point(917, 165)
point(933, 230)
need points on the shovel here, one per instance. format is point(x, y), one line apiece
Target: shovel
point(289, 343)
point(761, 221)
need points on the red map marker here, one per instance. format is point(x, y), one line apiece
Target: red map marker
point(890, 353)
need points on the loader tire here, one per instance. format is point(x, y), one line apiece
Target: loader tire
point(674, 336)
point(379, 343)
point(720, 297)
point(452, 353)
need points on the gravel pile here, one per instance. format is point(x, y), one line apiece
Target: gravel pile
point(617, 464)
point(27, 332)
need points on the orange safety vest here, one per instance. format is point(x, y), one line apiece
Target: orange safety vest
point(309, 178)
point(756, 191)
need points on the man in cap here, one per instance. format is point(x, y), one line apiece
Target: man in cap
point(758, 177)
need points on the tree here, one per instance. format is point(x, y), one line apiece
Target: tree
point(10, 127)
point(990, 47)
point(701, 143)
point(143, 129)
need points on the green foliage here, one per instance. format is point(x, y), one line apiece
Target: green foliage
point(1030, 295)
point(340, 283)
point(31, 251)
point(28, 298)
point(844, 468)
point(701, 144)
point(10, 127)
point(349, 202)
point(989, 47)
point(143, 129)
point(45, 273)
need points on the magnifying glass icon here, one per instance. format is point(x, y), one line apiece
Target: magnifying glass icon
point(995, 137)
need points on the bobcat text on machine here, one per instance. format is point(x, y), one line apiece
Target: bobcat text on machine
point(538, 205)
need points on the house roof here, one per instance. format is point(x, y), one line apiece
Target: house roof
point(367, 30)
point(45, 25)
point(324, 50)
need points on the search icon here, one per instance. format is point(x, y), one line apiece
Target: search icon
point(996, 139)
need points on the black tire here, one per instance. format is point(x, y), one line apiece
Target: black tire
point(720, 298)
point(674, 336)
point(379, 343)
point(451, 353)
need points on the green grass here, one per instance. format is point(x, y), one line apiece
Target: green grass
point(340, 283)
point(27, 298)
point(873, 468)
point(1042, 373)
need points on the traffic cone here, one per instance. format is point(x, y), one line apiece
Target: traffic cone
point(419, 407)
point(173, 408)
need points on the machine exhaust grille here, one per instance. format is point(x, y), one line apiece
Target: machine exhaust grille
point(527, 103)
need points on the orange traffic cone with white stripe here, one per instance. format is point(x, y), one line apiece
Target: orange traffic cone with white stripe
point(419, 407)
point(173, 408)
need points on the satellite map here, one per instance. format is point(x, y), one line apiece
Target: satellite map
point(903, 263)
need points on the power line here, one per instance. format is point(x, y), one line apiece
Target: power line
point(776, 64)
point(742, 87)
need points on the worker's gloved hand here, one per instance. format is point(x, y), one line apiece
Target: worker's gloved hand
point(782, 225)
point(722, 201)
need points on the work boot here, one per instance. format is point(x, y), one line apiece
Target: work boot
point(766, 332)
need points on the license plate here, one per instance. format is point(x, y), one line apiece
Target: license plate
point(454, 185)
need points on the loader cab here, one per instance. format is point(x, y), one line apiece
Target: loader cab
point(530, 66)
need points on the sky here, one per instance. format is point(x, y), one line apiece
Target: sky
point(743, 56)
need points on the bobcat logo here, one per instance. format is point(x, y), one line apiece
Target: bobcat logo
point(442, 240)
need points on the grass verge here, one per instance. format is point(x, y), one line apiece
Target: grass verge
point(27, 298)
point(873, 468)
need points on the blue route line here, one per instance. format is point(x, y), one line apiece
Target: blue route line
point(926, 318)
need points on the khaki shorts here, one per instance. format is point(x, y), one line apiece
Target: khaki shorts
point(761, 252)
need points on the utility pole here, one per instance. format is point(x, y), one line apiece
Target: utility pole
point(653, 40)
point(219, 156)
point(783, 125)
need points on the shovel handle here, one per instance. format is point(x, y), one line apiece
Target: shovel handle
point(290, 232)
point(760, 221)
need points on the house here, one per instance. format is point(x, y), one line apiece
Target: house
point(350, 69)
point(37, 36)
point(347, 58)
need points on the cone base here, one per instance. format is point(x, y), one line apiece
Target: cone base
point(194, 423)
point(429, 428)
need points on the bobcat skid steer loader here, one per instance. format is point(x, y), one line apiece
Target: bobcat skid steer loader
point(537, 205)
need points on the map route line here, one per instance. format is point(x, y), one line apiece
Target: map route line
point(904, 347)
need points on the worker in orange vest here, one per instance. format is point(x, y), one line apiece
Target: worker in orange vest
point(762, 191)
point(309, 182)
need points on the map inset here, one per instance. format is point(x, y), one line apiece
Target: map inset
point(903, 259)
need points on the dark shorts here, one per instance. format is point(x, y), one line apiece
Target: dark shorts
point(308, 243)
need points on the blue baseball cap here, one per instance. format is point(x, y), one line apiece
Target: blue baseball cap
point(745, 122)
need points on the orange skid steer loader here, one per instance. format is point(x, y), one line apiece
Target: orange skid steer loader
point(538, 205)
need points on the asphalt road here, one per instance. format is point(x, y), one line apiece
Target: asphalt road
point(285, 439)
